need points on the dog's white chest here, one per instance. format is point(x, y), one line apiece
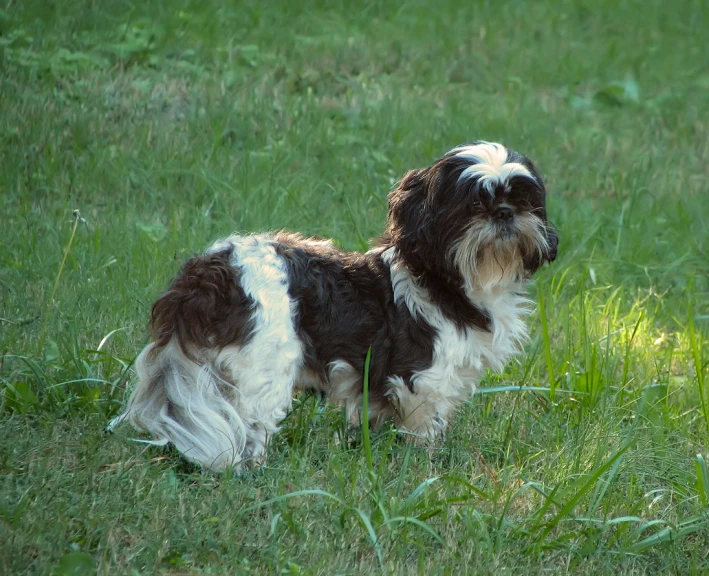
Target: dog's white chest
point(464, 354)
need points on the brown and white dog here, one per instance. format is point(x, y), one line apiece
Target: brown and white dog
point(439, 299)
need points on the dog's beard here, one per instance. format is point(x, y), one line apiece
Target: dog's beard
point(493, 254)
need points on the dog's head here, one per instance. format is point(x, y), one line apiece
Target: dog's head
point(478, 215)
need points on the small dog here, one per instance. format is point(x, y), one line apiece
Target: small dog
point(439, 299)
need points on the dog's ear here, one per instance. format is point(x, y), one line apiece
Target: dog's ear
point(534, 260)
point(409, 193)
point(410, 220)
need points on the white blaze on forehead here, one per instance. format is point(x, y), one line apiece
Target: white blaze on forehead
point(489, 164)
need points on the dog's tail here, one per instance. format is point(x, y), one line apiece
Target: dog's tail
point(185, 394)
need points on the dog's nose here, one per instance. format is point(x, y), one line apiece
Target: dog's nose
point(504, 213)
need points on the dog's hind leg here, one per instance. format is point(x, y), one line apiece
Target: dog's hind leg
point(266, 368)
point(219, 377)
point(265, 372)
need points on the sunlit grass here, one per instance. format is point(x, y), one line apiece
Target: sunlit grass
point(170, 124)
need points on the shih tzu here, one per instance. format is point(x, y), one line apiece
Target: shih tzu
point(439, 299)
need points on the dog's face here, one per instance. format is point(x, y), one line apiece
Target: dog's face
point(477, 215)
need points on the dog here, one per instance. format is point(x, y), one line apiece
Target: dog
point(439, 299)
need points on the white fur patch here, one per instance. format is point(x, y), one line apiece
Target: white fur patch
point(489, 164)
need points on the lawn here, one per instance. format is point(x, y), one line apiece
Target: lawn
point(168, 124)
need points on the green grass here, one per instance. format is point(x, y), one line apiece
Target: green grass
point(170, 123)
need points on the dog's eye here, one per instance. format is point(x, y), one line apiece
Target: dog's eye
point(475, 207)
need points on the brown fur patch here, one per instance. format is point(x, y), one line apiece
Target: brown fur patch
point(205, 307)
point(345, 305)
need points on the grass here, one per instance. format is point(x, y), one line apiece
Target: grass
point(169, 124)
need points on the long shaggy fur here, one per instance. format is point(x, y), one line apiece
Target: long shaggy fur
point(439, 299)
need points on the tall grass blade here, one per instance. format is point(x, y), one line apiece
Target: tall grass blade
point(498, 389)
point(702, 480)
point(672, 533)
point(367, 524)
point(284, 497)
point(67, 249)
point(547, 347)
point(366, 443)
point(585, 487)
point(415, 521)
point(626, 359)
point(699, 369)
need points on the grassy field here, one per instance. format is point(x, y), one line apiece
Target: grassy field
point(170, 123)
